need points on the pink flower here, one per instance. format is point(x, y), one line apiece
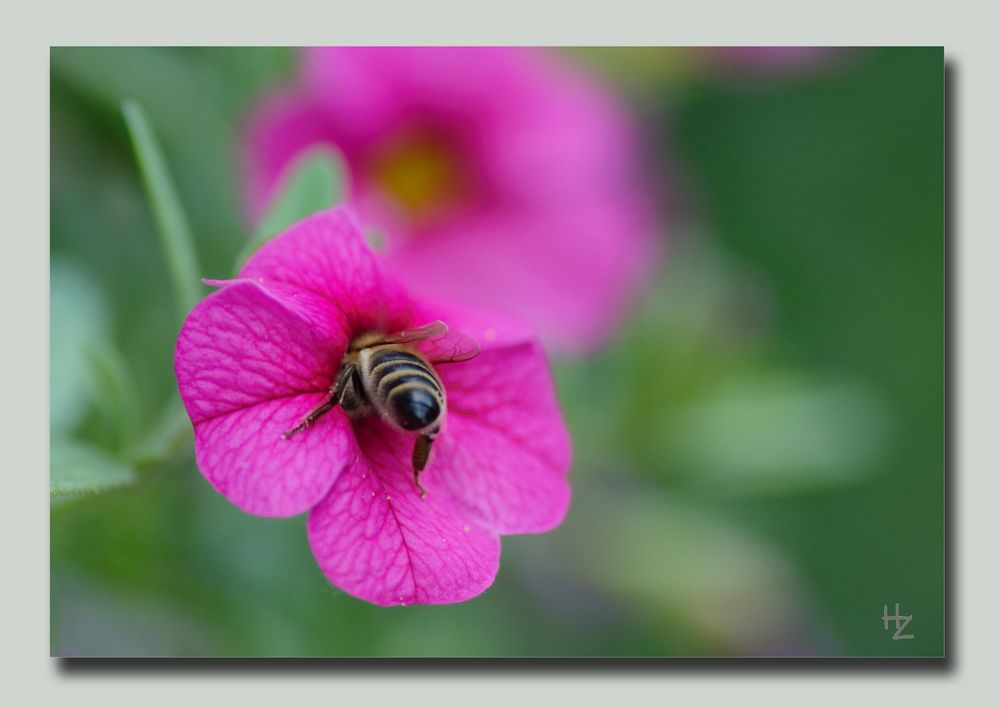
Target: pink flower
point(499, 176)
point(770, 60)
point(256, 356)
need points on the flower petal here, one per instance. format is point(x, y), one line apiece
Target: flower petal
point(368, 91)
point(376, 539)
point(250, 366)
point(557, 219)
point(491, 329)
point(575, 287)
point(245, 458)
point(283, 125)
point(505, 452)
point(326, 255)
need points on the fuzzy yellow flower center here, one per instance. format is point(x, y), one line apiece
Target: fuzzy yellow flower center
point(419, 173)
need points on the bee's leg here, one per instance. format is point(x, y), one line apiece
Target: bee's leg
point(359, 386)
point(337, 390)
point(421, 453)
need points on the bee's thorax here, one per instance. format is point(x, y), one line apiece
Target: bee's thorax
point(363, 341)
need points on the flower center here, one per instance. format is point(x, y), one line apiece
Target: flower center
point(420, 173)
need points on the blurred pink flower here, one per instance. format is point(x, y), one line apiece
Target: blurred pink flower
point(254, 357)
point(498, 176)
point(775, 60)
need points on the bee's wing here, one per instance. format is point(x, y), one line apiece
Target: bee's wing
point(409, 336)
point(451, 347)
point(438, 343)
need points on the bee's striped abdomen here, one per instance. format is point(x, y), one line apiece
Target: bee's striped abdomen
point(407, 389)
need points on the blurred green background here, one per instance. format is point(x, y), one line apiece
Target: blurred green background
point(759, 457)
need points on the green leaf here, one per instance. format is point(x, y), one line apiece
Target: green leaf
point(686, 568)
point(95, 616)
point(175, 234)
point(113, 391)
point(76, 469)
point(313, 182)
point(777, 433)
point(164, 438)
point(78, 318)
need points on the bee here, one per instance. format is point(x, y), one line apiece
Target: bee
point(393, 376)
